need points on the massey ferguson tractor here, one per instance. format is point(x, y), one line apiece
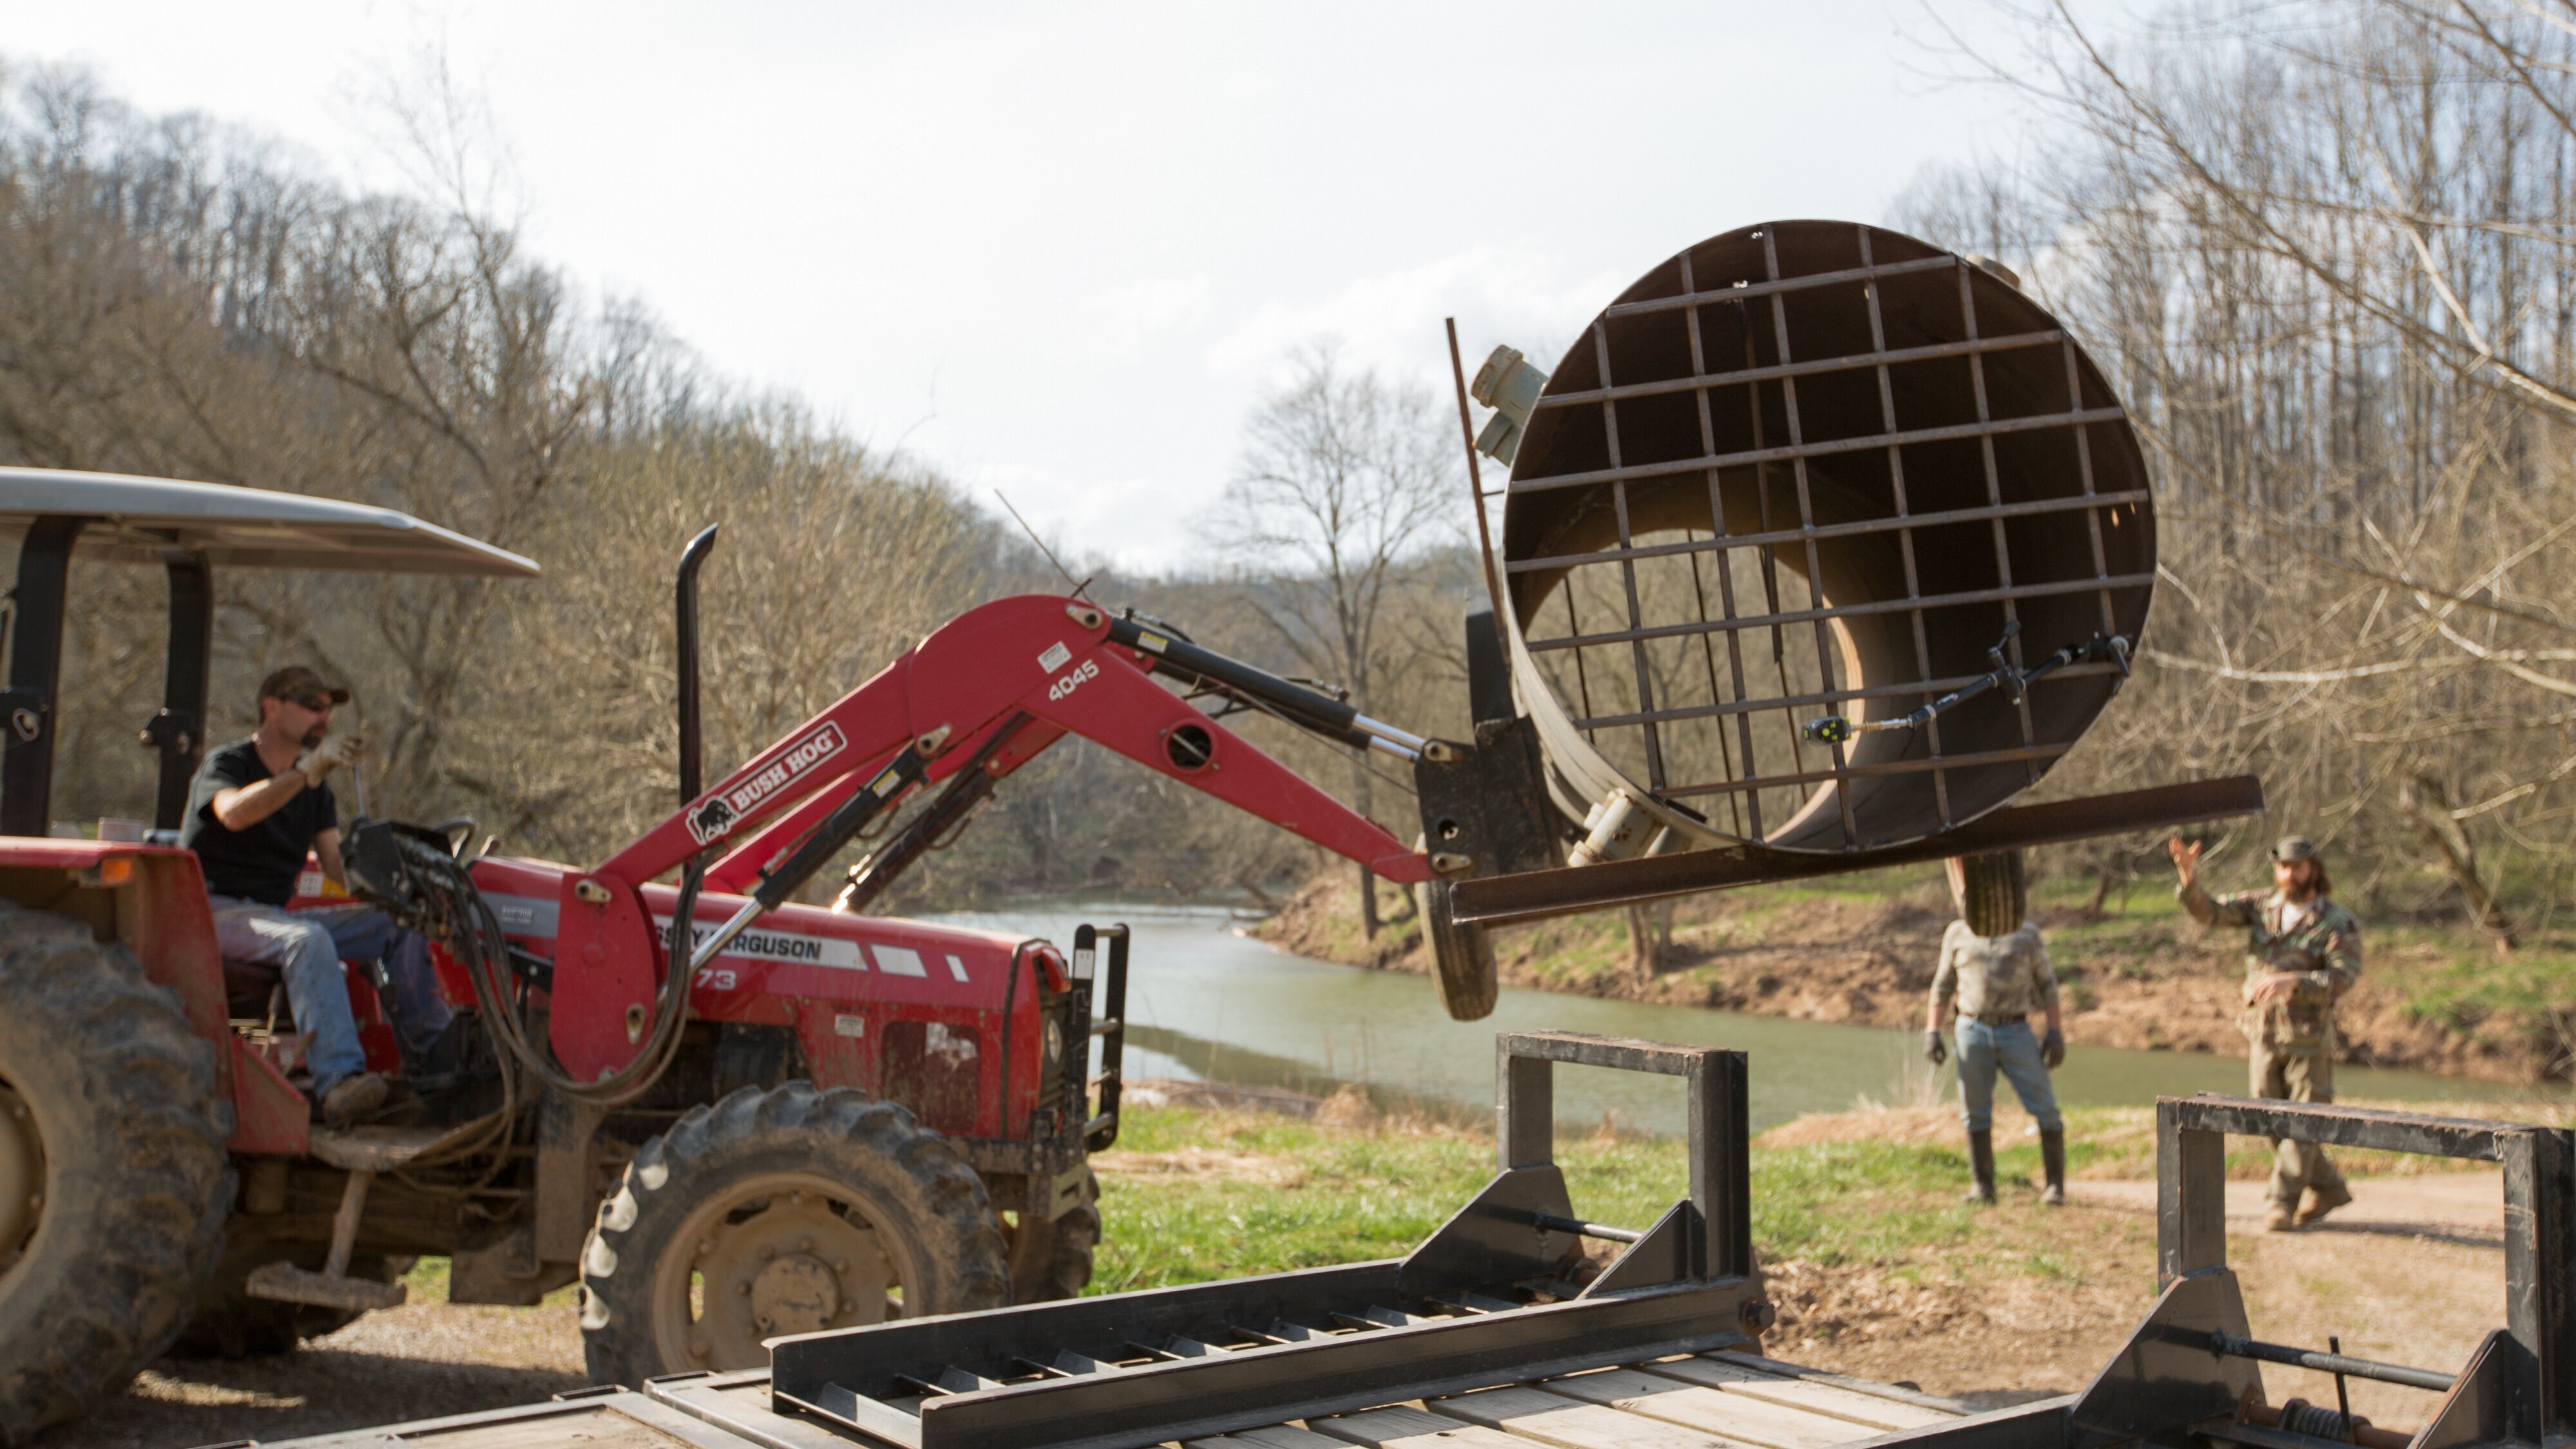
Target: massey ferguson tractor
point(783, 1119)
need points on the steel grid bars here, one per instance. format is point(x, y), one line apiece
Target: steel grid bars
point(1924, 446)
point(1807, 519)
point(1628, 572)
point(1995, 499)
point(1751, 799)
point(1904, 532)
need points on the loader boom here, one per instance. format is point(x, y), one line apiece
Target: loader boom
point(1060, 663)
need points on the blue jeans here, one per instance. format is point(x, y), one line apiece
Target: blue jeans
point(2011, 1048)
point(307, 947)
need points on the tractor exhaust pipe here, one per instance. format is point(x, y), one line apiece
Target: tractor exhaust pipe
point(685, 600)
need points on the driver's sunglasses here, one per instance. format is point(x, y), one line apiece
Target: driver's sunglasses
point(317, 703)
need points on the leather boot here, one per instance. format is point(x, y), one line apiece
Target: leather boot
point(2052, 1162)
point(1981, 1165)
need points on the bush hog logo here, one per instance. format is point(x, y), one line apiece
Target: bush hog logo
point(721, 812)
point(714, 818)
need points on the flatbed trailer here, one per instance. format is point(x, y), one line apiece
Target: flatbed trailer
point(1499, 1332)
point(1720, 1400)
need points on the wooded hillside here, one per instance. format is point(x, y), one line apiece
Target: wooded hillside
point(2322, 248)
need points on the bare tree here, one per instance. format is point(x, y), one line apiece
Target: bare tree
point(1346, 480)
point(2324, 251)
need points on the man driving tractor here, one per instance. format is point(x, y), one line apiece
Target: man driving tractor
point(254, 810)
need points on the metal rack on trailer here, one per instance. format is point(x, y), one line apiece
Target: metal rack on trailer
point(1499, 1333)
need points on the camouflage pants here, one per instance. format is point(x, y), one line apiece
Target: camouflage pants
point(2296, 1166)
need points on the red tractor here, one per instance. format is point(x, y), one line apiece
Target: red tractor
point(785, 1119)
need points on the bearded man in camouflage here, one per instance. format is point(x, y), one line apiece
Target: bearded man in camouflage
point(1995, 967)
point(2302, 952)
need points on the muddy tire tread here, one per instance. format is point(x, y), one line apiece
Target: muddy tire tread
point(1462, 956)
point(1054, 1260)
point(671, 1172)
point(113, 1054)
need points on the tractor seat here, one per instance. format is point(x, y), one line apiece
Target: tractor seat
point(248, 986)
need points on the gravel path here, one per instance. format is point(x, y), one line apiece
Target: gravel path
point(414, 1362)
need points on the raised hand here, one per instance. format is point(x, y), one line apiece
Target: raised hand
point(318, 762)
point(2186, 858)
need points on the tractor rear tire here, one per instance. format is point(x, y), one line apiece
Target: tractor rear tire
point(115, 1137)
point(786, 1210)
point(1051, 1260)
point(1462, 956)
point(230, 1324)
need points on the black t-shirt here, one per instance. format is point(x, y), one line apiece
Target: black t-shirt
point(261, 863)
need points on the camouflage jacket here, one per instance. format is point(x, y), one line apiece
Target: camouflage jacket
point(1994, 976)
point(2323, 949)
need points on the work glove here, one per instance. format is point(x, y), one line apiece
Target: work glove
point(1936, 1047)
point(2052, 1049)
point(318, 762)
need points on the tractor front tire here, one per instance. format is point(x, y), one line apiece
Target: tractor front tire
point(788, 1210)
point(1462, 955)
point(1051, 1260)
point(114, 1181)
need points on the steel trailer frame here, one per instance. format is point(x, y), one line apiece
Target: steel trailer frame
point(1084, 1374)
point(1484, 1301)
point(2519, 1384)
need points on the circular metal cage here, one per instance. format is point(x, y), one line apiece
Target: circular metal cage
point(1808, 469)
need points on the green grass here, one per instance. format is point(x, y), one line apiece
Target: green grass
point(2465, 988)
point(1318, 1195)
point(1192, 1195)
point(1266, 1194)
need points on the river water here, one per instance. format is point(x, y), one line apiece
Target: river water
point(1205, 1003)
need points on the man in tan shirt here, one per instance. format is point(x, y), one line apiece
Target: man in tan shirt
point(1996, 969)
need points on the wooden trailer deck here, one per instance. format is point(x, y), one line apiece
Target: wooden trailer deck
point(1720, 1400)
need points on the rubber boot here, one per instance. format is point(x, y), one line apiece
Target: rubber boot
point(2052, 1161)
point(1981, 1164)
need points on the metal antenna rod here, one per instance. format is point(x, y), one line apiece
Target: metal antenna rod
point(1041, 543)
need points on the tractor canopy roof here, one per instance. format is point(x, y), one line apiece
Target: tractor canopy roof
point(151, 520)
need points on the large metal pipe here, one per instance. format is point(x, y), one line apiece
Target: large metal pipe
point(1817, 469)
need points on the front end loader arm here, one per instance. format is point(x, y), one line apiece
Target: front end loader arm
point(1036, 665)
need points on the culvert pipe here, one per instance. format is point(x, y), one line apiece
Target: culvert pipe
point(1811, 471)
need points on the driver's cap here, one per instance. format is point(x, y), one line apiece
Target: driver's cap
point(296, 681)
point(2293, 847)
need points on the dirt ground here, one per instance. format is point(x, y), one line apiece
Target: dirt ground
point(2413, 1272)
point(415, 1362)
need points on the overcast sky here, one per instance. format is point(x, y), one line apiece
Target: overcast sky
point(1060, 249)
